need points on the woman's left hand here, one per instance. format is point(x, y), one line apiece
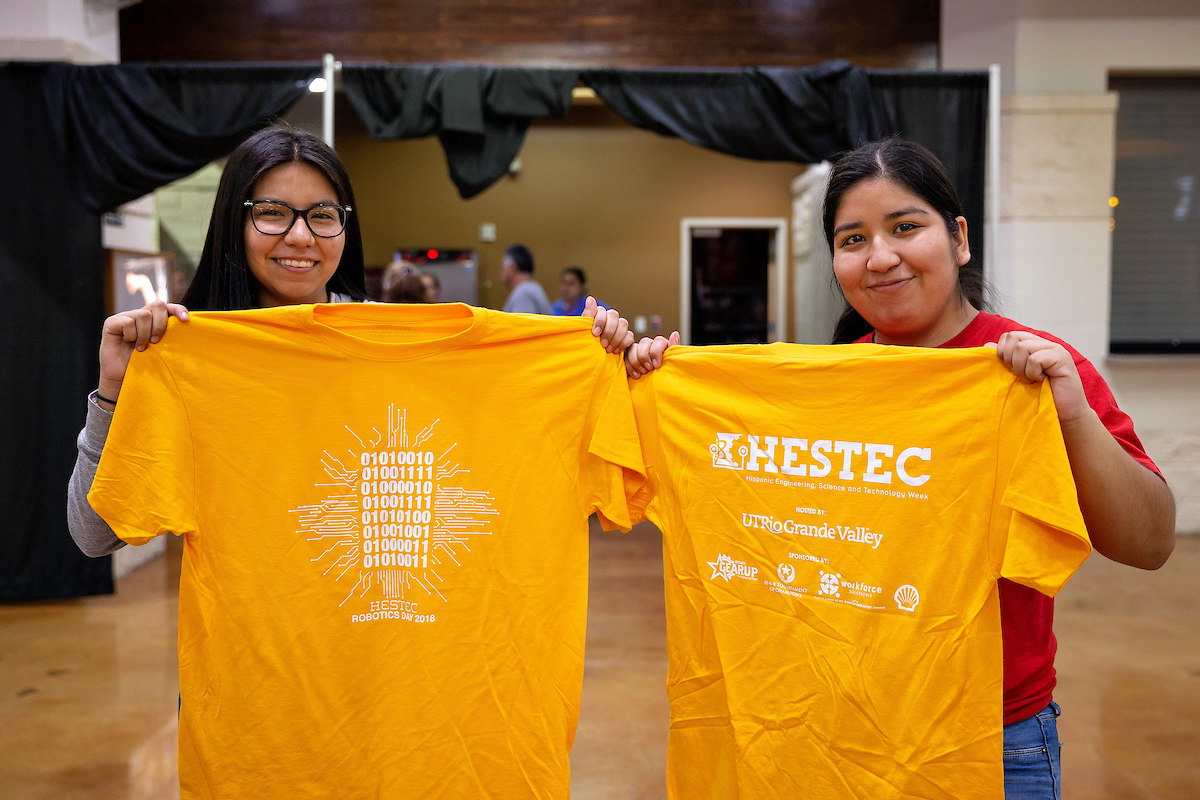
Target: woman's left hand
point(1035, 359)
point(610, 327)
point(647, 355)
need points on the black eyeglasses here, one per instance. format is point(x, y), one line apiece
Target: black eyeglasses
point(325, 220)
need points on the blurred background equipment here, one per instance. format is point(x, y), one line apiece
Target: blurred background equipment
point(138, 279)
point(456, 270)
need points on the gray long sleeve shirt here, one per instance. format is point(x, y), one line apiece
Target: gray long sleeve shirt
point(90, 532)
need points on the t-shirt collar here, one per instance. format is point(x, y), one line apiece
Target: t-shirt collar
point(970, 334)
point(327, 321)
point(963, 338)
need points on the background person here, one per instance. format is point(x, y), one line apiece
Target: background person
point(282, 232)
point(433, 287)
point(894, 225)
point(572, 284)
point(402, 284)
point(525, 295)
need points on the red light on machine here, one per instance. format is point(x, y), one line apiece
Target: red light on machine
point(433, 254)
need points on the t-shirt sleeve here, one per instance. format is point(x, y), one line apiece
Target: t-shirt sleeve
point(640, 494)
point(145, 484)
point(612, 460)
point(1118, 423)
point(1042, 530)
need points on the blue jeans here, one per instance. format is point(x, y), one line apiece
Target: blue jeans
point(1032, 766)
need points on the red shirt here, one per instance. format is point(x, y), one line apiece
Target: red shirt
point(1026, 615)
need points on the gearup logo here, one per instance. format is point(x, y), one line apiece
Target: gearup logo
point(907, 597)
point(786, 572)
point(725, 567)
point(830, 584)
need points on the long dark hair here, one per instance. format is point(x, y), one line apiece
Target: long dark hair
point(918, 170)
point(223, 279)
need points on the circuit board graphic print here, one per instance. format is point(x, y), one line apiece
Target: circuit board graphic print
point(395, 520)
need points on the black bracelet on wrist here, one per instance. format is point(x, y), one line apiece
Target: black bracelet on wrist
point(105, 399)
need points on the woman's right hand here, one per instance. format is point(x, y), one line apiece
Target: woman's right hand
point(128, 331)
point(646, 356)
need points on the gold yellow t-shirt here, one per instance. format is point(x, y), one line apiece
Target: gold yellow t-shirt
point(384, 584)
point(835, 520)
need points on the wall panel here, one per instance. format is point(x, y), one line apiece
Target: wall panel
point(874, 33)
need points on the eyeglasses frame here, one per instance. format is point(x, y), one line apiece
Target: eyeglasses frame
point(301, 213)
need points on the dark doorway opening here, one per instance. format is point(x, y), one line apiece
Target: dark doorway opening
point(730, 278)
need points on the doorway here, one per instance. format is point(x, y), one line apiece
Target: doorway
point(733, 280)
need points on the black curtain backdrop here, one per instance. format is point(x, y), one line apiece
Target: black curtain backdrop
point(805, 115)
point(126, 129)
point(78, 141)
point(812, 114)
point(51, 309)
point(479, 114)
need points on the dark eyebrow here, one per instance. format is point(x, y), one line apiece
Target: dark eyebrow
point(280, 202)
point(904, 212)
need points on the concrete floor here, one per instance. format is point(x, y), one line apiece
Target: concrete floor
point(88, 687)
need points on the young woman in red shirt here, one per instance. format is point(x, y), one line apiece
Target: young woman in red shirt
point(895, 227)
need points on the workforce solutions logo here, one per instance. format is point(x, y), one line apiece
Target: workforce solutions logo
point(830, 584)
point(725, 567)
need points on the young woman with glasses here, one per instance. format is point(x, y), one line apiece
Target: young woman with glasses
point(283, 231)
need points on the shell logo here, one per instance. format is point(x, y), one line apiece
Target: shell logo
point(907, 597)
point(830, 583)
point(787, 573)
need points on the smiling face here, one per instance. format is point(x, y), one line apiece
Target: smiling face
point(295, 266)
point(898, 264)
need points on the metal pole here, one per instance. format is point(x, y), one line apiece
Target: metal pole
point(327, 99)
point(992, 233)
point(685, 282)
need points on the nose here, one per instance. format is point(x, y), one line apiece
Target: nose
point(299, 234)
point(882, 255)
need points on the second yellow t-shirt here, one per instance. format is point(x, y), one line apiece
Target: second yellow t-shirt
point(835, 520)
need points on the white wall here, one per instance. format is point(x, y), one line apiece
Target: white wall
point(1074, 55)
point(58, 30)
point(1059, 55)
point(1058, 157)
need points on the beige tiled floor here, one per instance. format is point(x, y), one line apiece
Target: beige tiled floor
point(88, 687)
point(1129, 679)
point(621, 746)
point(88, 690)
